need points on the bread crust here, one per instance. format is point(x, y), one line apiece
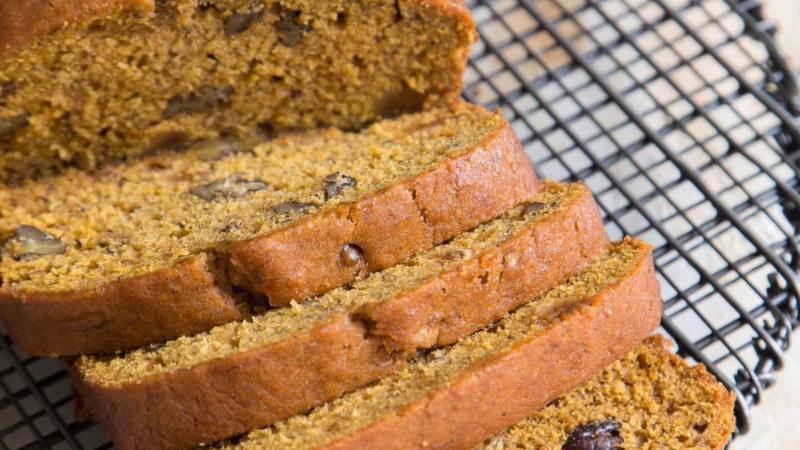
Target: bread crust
point(389, 226)
point(506, 389)
point(180, 300)
point(279, 380)
point(292, 263)
point(443, 309)
point(228, 396)
point(23, 22)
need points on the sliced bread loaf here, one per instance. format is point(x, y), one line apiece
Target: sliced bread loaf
point(170, 245)
point(458, 396)
point(651, 398)
point(244, 375)
point(90, 81)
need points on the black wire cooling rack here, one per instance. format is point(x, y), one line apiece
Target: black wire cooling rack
point(680, 114)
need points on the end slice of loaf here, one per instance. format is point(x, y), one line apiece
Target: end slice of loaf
point(651, 398)
point(176, 244)
point(458, 396)
point(245, 375)
point(100, 80)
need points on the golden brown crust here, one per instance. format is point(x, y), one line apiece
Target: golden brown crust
point(230, 396)
point(309, 368)
point(390, 225)
point(455, 7)
point(134, 312)
point(541, 257)
point(503, 391)
point(292, 263)
point(79, 407)
point(23, 22)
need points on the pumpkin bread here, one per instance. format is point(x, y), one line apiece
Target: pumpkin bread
point(649, 399)
point(458, 396)
point(176, 244)
point(83, 82)
point(249, 374)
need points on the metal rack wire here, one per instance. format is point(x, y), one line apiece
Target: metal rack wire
point(680, 114)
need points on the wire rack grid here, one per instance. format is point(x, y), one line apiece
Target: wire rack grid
point(674, 112)
point(679, 114)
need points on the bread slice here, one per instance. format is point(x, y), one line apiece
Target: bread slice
point(169, 246)
point(649, 399)
point(249, 374)
point(92, 81)
point(458, 396)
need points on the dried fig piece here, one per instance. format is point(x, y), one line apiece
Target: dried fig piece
point(12, 124)
point(292, 31)
point(239, 23)
point(214, 149)
point(351, 255)
point(31, 241)
point(335, 183)
point(204, 99)
point(292, 207)
point(595, 436)
point(232, 187)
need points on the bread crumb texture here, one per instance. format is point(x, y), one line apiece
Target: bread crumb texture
point(126, 83)
point(657, 398)
point(83, 230)
point(432, 370)
point(282, 323)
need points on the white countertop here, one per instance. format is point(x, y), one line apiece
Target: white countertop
point(775, 419)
